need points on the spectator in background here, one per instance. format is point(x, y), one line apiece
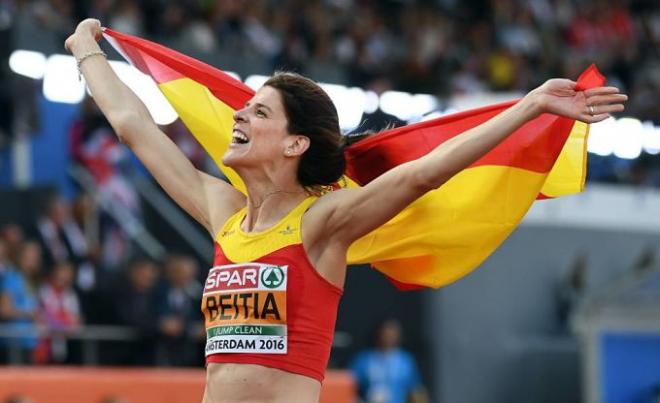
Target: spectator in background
point(127, 17)
point(13, 237)
point(379, 120)
point(18, 303)
point(180, 324)
point(63, 241)
point(60, 309)
point(367, 46)
point(53, 15)
point(386, 373)
point(136, 306)
point(85, 216)
point(50, 230)
point(571, 291)
point(90, 277)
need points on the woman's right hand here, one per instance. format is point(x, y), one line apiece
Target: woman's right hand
point(89, 27)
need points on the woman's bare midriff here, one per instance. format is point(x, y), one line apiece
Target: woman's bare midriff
point(227, 383)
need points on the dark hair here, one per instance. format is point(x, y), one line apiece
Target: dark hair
point(311, 113)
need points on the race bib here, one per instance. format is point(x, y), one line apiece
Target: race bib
point(244, 307)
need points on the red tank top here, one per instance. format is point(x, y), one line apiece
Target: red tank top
point(264, 303)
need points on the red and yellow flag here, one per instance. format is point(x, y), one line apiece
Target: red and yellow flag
point(445, 234)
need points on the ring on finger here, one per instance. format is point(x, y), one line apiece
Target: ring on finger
point(592, 110)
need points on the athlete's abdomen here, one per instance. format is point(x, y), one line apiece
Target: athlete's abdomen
point(255, 383)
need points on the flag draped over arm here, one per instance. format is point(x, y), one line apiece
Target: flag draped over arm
point(440, 237)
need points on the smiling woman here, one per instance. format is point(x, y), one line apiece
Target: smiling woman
point(269, 335)
point(296, 107)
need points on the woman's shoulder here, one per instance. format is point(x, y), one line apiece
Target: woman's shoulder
point(322, 208)
point(328, 199)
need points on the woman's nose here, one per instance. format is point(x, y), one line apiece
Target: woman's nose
point(239, 115)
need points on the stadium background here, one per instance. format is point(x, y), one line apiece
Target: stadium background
point(565, 311)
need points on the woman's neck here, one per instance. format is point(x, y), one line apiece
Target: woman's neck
point(267, 204)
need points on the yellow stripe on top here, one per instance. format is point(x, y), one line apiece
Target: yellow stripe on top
point(239, 246)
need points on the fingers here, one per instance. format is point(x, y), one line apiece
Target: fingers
point(606, 99)
point(92, 21)
point(601, 91)
point(90, 24)
point(599, 109)
point(562, 82)
point(598, 113)
point(67, 43)
point(602, 102)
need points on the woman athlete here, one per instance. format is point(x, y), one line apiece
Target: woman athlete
point(270, 301)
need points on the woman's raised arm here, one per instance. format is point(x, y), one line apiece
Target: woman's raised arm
point(351, 213)
point(208, 200)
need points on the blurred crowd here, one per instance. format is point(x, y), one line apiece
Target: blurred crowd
point(53, 281)
point(441, 47)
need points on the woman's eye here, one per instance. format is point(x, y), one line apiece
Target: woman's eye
point(261, 113)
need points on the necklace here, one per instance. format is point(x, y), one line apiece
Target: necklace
point(269, 194)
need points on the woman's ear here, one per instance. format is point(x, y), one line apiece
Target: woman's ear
point(296, 145)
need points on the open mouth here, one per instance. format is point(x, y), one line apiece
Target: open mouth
point(238, 137)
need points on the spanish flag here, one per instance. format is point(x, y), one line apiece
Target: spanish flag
point(445, 234)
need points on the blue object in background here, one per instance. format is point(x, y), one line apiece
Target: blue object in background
point(49, 148)
point(630, 367)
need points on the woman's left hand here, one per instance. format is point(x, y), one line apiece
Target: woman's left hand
point(558, 96)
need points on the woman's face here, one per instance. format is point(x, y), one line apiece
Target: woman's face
point(29, 259)
point(143, 276)
point(260, 131)
point(62, 275)
point(389, 335)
